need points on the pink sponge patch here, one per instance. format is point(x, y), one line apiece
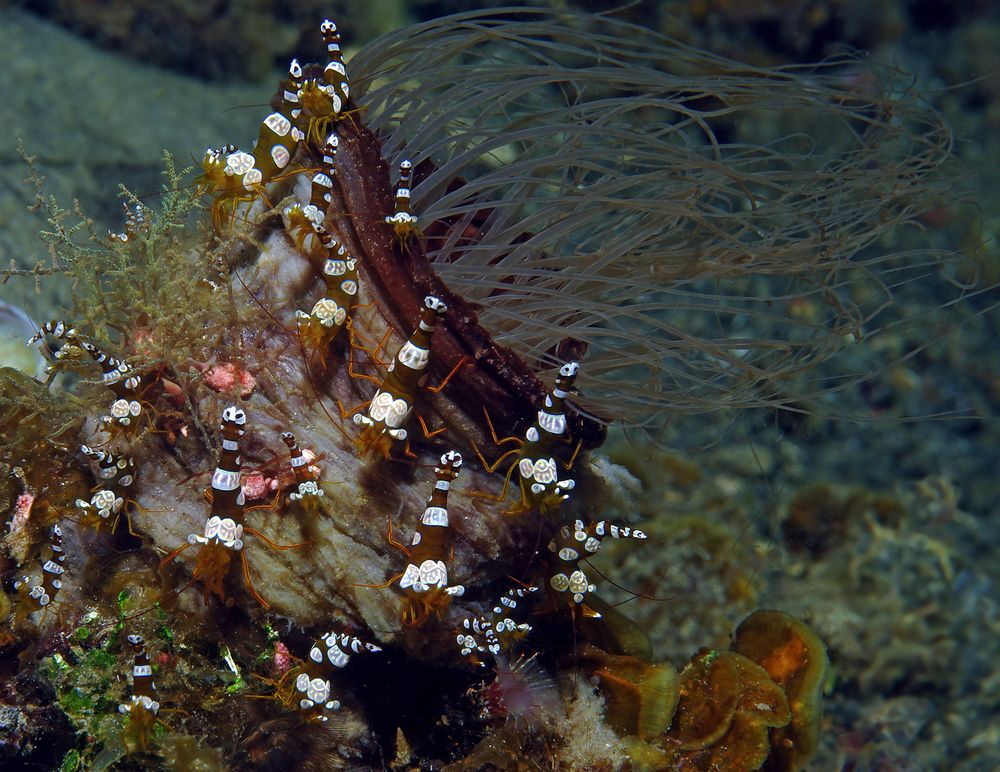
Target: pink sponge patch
point(227, 378)
point(282, 658)
point(257, 486)
point(22, 511)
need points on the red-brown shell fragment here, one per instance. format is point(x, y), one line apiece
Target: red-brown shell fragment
point(795, 657)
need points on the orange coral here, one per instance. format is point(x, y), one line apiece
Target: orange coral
point(640, 697)
point(754, 707)
point(727, 705)
point(795, 657)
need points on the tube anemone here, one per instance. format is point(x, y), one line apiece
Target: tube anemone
point(586, 179)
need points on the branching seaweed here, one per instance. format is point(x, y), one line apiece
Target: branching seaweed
point(151, 292)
